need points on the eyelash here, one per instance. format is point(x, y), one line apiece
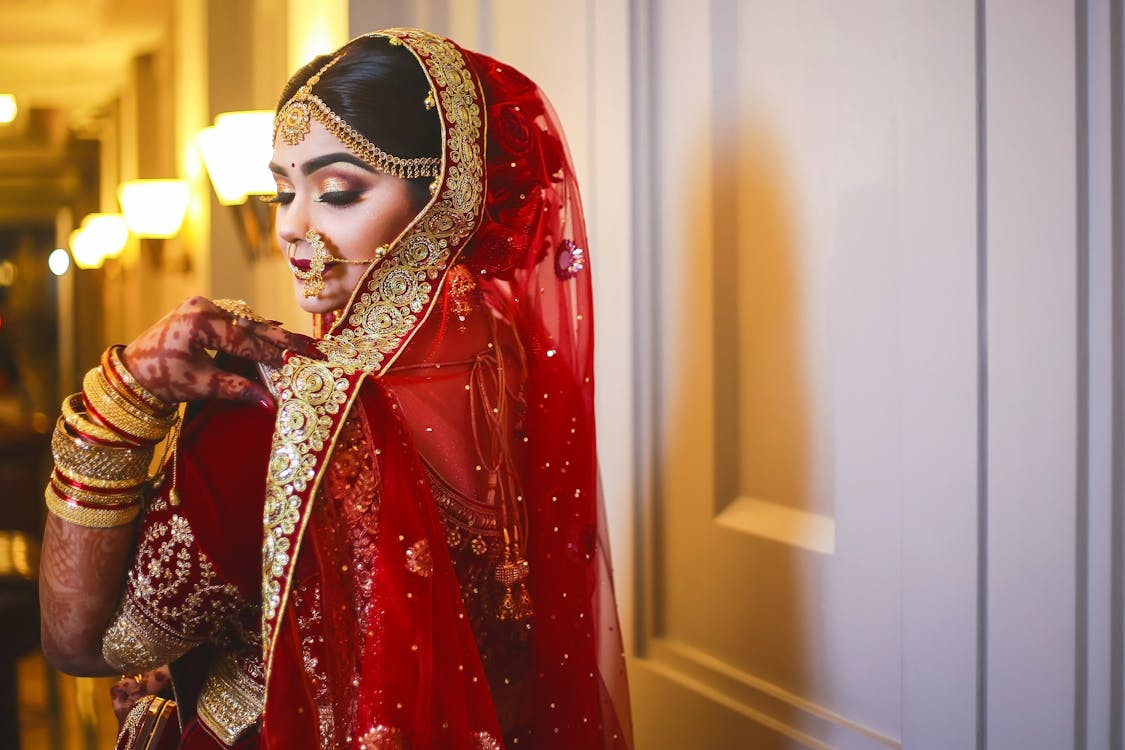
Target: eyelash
point(331, 197)
point(339, 197)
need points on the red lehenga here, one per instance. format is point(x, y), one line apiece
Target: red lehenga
point(427, 569)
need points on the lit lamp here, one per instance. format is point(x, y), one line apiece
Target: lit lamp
point(100, 236)
point(237, 151)
point(154, 208)
point(8, 108)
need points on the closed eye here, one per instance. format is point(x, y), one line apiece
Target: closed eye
point(339, 197)
point(282, 198)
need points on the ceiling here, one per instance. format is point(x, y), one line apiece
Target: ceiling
point(65, 61)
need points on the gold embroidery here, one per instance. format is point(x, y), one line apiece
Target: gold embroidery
point(132, 644)
point(485, 741)
point(133, 721)
point(310, 392)
point(382, 737)
point(383, 313)
point(173, 600)
point(419, 560)
point(459, 513)
point(146, 721)
point(230, 702)
point(397, 290)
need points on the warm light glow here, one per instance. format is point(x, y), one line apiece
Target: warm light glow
point(8, 108)
point(237, 151)
point(154, 208)
point(315, 29)
point(7, 273)
point(101, 236)
point(85, 251)
point(59, 261)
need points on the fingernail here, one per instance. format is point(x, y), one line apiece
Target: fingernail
point(266, 403)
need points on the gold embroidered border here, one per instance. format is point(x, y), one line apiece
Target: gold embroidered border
point(133, 644)
point(384, 311)
point(230, 702)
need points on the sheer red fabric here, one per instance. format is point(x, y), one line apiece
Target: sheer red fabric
point(451, 586)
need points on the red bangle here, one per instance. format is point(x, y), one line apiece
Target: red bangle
point(129, 489)
point(133, 440)
point(76, 503)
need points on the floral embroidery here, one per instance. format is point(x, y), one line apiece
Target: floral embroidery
point(382, 737)
point(419, 560)
point(569, 261)
point(173, 599)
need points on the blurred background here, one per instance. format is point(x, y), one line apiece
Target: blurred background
point(859, 274)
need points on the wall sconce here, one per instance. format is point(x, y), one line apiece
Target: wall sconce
point(154, 208)
point(237, 151)
point(100, 236)
point(8, 108)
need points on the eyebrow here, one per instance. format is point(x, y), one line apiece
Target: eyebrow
point(319, 162)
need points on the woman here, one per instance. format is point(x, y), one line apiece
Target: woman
point(388, 537)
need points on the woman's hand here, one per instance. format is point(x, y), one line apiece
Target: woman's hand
point(170, 359)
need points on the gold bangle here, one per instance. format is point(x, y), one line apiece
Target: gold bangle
point(132, 387)
point(74, 415)
point(118, 414)
point(105, 390)
point(98, 483)
point(91, 498)
point(98, 462)
point(93, 518)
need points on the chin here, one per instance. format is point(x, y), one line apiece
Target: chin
point(328, 301)
point(317, 304)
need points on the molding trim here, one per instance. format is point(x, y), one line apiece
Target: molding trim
point(1117, 554)
point(1082, 369)
point(781, 523)
point(982, 373)
point(757, 699)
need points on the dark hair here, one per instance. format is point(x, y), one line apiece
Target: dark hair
point(380, 90)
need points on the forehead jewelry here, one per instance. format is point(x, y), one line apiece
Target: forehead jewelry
point(294, 121)
point(314, 277)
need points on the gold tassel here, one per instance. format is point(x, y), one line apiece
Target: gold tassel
point(524, 610)
point(516, 604)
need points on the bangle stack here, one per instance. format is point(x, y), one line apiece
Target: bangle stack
point(103, 446)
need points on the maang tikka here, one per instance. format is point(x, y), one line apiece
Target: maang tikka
point(294, 121)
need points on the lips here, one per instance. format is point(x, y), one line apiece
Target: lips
point(304, 264)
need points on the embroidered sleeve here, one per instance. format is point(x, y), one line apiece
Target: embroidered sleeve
point(174, 599)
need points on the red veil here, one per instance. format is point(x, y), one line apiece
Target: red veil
point(434, 575)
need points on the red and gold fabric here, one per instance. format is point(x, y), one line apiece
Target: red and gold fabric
point(432, 571)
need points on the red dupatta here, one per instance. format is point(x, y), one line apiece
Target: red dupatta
point(434, 574)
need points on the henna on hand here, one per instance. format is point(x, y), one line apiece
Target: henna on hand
point(80, 578)
point(170, 359)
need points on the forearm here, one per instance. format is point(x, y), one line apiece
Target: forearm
point(80, 579)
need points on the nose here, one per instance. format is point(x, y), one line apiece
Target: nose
point(292, 223)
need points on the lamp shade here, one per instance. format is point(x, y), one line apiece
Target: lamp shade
point(154, 208)
point(8, 108)
point(237, 151)
point(100, 236)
